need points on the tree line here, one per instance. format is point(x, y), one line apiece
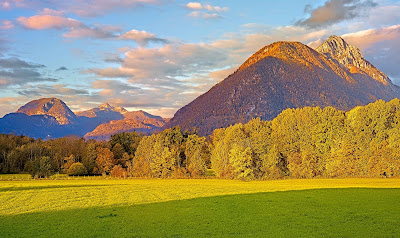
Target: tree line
point(299, 143)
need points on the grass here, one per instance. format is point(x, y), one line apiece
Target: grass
point(200, 208)
point(15, 176)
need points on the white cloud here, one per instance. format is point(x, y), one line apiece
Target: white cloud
point(143, 38)
point(211, 8)
point(205, 11)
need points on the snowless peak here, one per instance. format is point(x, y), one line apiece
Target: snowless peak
point(52, 107)
point(336, 48)
point(105, 105)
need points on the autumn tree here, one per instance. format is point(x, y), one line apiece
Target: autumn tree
point(118, 171)
point(68, 161)
point(163, 165)
point(197, 152)
point(242, 162)
point(104, 161)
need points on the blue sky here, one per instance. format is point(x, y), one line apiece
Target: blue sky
point(158, 55)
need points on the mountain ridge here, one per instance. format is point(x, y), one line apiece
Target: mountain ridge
point(49, 118)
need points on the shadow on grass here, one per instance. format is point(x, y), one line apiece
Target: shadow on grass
point(349, 212)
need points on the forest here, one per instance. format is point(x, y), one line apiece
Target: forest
point(308, 142)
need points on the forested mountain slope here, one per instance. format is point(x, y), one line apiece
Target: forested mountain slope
point(288, 75)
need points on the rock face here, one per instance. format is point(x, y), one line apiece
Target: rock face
point(139, 121)
point(288, 75)
point(335, 48)
point(51, 107)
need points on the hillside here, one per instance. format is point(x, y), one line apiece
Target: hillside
point(288, 75)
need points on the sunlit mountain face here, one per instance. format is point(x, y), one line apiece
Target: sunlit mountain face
point(288, 75)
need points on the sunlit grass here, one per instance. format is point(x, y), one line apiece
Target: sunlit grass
point(18, 197)
point(15, 176)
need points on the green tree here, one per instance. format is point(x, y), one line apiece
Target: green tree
point(90, 156)
point(77, 169)
point(197, 152)
point(242, 162)
point(41, 167)
point(162, 165)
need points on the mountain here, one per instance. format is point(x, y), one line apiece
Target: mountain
point(49, 118)
point(104, 111)
point(288, 75)
point(51, 107)
point(335, 48)
point(139, 121)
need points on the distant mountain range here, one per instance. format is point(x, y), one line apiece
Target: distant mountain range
point(48, 118)
point(279, 76)
point(288, 75)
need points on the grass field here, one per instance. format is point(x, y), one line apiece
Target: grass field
point(15, 176)
point(200, 208)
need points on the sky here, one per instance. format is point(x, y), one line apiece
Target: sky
point(159, 55)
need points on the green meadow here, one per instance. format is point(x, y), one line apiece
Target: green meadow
point(200, 208)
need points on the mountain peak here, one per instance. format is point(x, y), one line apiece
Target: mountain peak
point(105, 105)
point(52, 107)
point(336, 48)
point(108, 107)
point(284, 50)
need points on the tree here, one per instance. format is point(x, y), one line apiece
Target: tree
point(162, 165)
point(68, 161)
point(118, 152)
point(274, 164)
point(104, 161)
point(41, 167)
point(140, 165)
point(128, 140)
point(77, 169)
point(242, 162)
point(139, 168)
point(89, 159)
point(197, 152)
point(118, 171)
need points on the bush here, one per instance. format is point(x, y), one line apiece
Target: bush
point(77, 169)
point(118, 171)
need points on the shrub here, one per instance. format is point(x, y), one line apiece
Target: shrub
point(77, 169)
point(118, 171)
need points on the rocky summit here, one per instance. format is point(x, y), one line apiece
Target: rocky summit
point(288, 75)
point(335, 48)
point(52, 107)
